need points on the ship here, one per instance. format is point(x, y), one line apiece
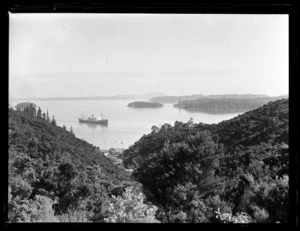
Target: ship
point(93, 120)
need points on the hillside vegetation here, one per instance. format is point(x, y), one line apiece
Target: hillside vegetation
point(54, 176)
point(235, 171)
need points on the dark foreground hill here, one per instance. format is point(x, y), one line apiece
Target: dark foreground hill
point(237, 169)
point(49, 166)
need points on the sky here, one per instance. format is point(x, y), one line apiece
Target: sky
point(73, 55)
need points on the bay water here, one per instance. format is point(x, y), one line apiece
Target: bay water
point(125, 125)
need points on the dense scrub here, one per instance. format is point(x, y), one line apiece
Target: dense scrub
point(234, 171)
point(54, 176)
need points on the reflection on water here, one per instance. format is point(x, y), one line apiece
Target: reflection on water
point(93, 126)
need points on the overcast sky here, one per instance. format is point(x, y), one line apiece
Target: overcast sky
point(63, 55)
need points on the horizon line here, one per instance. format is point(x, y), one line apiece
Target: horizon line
point(136, 94)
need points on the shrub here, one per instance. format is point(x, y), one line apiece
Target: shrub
point(229, 218)
point(73, 216)
point(37, 210)
point(130, 208)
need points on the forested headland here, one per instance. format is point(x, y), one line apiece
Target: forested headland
point(235, 171)
point(176, 99)
point(224, 105)
point(217, 104)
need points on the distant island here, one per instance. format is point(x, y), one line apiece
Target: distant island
point(144, 104)
point(225, 105)
point(176, 99)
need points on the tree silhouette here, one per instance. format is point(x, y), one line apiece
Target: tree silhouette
point(39, 113)
point(30, 110)
point(48, 118)
point(53, 122)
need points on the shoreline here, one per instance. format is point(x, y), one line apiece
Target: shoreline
point(116, 150)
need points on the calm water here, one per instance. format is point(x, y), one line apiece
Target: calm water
point(125, 125)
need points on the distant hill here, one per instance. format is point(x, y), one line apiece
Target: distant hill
point(225, 105)
point(113, 97)
point(236, 96)
point(140, 96)
point(144, 104)
point(176, 99)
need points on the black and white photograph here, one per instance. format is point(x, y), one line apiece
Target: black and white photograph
point(148, 118)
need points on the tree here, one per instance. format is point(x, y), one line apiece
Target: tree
point(154, 129)
point(53, 122)
point(112, 151)
point(21, 174)
point(71, 188)
point(193, 161)
point(71, 131)
point(30, 110)
point(39, 113)
point(33, 110)
point(191, 121)
point(48, 118)
point(44, 116)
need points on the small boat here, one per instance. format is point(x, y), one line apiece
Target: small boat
point(93, 120)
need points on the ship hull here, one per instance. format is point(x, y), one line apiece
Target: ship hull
point(93, 122)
